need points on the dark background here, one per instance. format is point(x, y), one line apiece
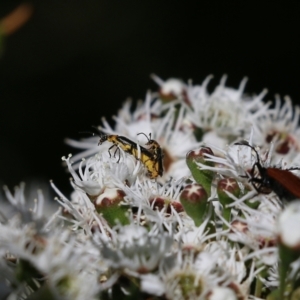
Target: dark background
point(76, 61)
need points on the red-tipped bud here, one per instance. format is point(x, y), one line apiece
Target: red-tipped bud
point(194, 200)
point(109, 205)
point(173, 89)
point(239, 226)
point(160, 202)
point(200, 154)
point(202, 176)
point(284, 142)
point(194, 194)
point(109, 197)
point(227, 185)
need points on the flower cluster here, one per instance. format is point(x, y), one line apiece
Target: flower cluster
point(181, 199)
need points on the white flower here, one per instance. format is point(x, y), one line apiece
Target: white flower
point(183, 281)
point(73, 267)
point(163, 121)
point(194, 275)
point(171, 89)
point(229, 258)
point(82, 213)
point(100, 171)
point(158, 202)
point(122, 225)
point(234, 162)
point(152, 284)
point(280, 126)
point(34, 208)
point(222, 293)
point(288, 221)
point(169, 131)
point(135, 249)
point(226, 112)
point(273, 276)
point(29, 239)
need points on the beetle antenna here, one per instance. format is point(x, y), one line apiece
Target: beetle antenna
point(98, 133)
point(87, 132)
point(244, 143)
point(95, 127)
point(148, 138)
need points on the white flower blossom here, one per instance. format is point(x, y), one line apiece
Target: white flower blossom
point(287, 221)
point(136, 249)
point(124, 233)
point(279, 125)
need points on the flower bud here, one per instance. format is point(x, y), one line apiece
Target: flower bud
point(163, 202)
point(229, 185)
point(239, 226)
point(284, 142)
point(173, 89)
point(194, 200)
point(109, 205)
point(237, 229)
point(203, 177)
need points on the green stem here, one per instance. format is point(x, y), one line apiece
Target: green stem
point(283, 271)
point(226, 216)
point(258, 287)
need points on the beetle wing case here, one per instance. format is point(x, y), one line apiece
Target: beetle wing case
point(284, 183)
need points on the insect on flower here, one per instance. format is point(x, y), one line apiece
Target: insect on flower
point(155, 149)
point(281, 181)
point(118, 142)
point(151, 158)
